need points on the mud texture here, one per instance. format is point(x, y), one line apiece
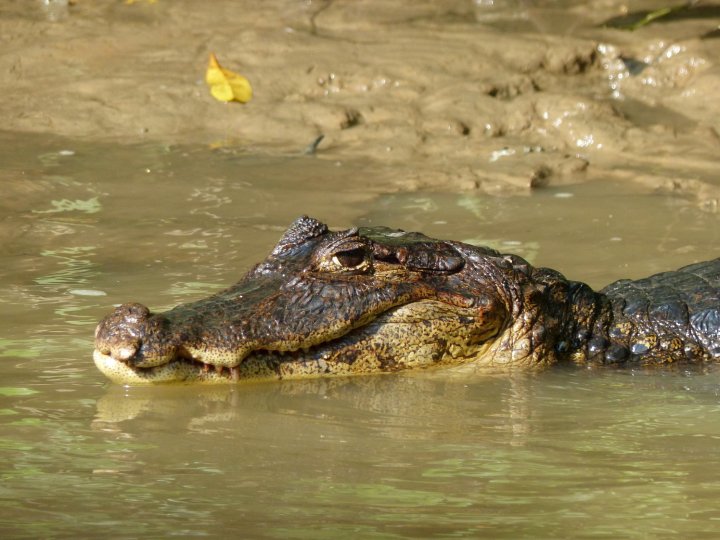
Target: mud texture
point(500, 96)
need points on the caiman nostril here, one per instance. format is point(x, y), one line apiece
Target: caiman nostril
point(125, 353)
point(120, 334)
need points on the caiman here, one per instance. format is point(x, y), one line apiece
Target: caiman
point(372, 300)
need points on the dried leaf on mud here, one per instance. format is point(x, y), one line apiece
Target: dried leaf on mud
point(226, 85)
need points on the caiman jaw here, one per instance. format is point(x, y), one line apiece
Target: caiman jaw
point(134, 346)
point(381, 345)
point(259, 365)
point(177, 370)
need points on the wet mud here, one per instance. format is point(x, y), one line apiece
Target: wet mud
point(501, 97)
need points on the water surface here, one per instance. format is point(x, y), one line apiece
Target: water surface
point(569, 452)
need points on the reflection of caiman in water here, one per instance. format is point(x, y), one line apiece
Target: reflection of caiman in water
point(379, 300)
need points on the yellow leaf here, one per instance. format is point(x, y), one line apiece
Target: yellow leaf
point(226, 85)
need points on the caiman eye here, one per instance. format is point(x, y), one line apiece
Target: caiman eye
point(347, 254)
point(351, 258)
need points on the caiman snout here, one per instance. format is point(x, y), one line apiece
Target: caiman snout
point(133, 335)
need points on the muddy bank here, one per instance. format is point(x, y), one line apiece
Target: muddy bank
point(454, 95)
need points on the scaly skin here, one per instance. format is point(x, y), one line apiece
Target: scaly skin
point(381, 300)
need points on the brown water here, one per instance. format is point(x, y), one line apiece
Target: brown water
point(563, 453)
point(524, 125)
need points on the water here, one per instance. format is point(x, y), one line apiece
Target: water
point(389, 457)
point(589, 454)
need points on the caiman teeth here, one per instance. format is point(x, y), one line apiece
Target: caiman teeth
point(233, 372)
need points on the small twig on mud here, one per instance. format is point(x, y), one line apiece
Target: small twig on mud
point(312, 147)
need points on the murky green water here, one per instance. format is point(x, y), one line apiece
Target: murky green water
point(566, 453)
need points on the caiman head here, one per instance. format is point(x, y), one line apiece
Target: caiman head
point(335, 303)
